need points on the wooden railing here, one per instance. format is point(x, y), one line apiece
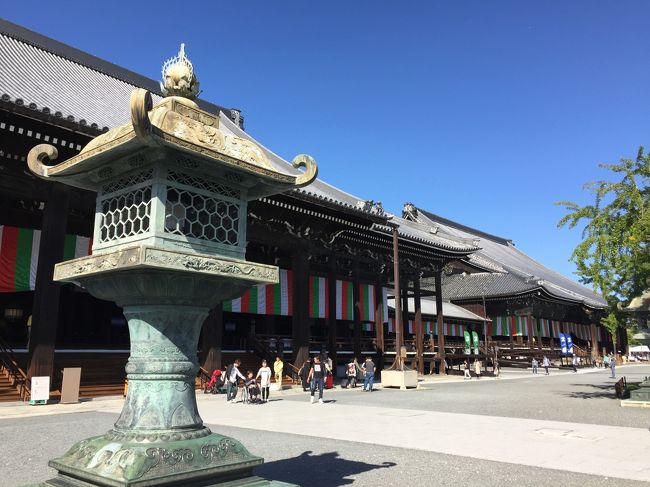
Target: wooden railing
point(17, 376)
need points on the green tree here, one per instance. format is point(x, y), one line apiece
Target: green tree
point(614, 256)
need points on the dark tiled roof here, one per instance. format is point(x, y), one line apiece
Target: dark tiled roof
point(522, 272)
point(48, 74)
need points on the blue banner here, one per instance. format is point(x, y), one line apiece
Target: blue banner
point(569, 344)
point(563, 343)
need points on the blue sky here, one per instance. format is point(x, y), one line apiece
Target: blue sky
point(482, 112)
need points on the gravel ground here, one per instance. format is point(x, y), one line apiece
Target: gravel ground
point(303, 460)
point(579, 398)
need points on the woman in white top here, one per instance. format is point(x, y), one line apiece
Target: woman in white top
point(264, 375)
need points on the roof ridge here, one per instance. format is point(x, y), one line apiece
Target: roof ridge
point(460, 226)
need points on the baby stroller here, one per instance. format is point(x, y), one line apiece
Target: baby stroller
point(215, 386)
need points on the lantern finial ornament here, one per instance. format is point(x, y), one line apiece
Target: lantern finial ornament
point(178, 78)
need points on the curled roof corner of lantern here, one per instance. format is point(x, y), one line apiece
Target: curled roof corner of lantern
point(175, 124)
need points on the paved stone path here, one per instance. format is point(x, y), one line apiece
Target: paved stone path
point(430, 436)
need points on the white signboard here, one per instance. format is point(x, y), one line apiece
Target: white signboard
point(40, 389)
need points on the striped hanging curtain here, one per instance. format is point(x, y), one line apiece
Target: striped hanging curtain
point(19, 249)
point(266, 299)
point(319, 297)
point(410, 327)
point(500, 326)
point(367, 302)
point(344, 300)
point(390, 325)
point(367, 326)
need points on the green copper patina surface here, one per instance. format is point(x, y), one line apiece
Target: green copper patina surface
point(169, 241)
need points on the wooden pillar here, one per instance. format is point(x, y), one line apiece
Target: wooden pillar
point(595, 345)
point(440, 322)
point(211, 337)
point(357, 311)
point(300, 321)
point(379, 323)
point(539, 333)
point(331, 311)
point(419, 332)
point(45, 315)
point(398, 301)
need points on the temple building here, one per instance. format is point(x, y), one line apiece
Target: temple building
point(354, 279)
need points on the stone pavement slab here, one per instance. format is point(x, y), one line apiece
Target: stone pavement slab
point(591, 449)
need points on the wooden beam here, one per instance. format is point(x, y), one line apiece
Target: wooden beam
point(331, 319)
point(45, 314)
point(357, 311)
point(300, 321)
point(440, 320)
point(419, 331)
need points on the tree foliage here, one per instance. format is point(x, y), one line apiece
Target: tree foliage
point(614, 255)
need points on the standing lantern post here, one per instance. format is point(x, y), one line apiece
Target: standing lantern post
point(169, 244)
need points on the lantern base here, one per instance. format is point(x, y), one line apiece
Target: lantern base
point(208, 461)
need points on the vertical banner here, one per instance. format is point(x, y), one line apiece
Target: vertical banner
point(569, 344)
point(265, 299)
point(563, 343)
point(344, 300)
point(19, 250)
point(367, 302)
point(476, 342)
point(468, 342)
point(318, 297)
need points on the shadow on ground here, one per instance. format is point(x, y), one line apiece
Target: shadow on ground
point(326, 469)
point(605, 391)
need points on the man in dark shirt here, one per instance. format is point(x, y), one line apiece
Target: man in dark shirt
point(369, 374)
point(317, 379)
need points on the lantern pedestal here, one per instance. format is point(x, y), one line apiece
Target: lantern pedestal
point(159, 438)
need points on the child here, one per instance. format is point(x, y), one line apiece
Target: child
point(264, 374)
point(351, 373)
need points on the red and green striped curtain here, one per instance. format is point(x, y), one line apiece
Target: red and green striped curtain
point(500, 326)
point(265, 299)
point(19, 249)
point(318, 297)
point(367, 302)
point(344, 300)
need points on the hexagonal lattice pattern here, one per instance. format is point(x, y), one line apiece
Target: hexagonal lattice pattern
point(204, 217)
point(125, 215)
point(203, 183)
point(127, 181)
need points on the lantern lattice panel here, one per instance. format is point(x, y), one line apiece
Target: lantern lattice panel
point(200, 216)
point(203, 183)
point(125, 215)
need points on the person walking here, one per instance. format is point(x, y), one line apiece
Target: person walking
point(606, 361)
point(369, 374)
point(264, 375)
point(232, 375)
point(546, 363)
point(317, 379)
point(467, 374)
point(497, 369)
point(278, 366)
point(535, 364)
point(304, 373)
point(612, 365)
point(574, 363)
point(477, 368)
